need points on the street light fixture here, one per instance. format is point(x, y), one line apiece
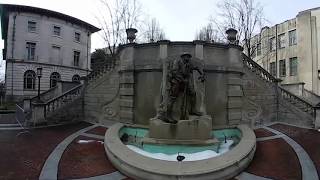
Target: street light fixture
point(39, 74)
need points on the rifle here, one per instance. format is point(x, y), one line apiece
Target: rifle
point(184, 103)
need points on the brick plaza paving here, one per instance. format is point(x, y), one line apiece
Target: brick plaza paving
point(76, 151)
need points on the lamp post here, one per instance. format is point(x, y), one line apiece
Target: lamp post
point(39, 74)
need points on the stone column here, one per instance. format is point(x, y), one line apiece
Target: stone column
point(234, 85)
point(26, 104)
point(127, 84)
point(301, 89)
point(200, 87)
point(38, 113)
point(163, 54)
point(59, 88)
point(235, 94)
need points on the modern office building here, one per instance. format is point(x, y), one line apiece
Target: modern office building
point(40, 38)
point(291, 50)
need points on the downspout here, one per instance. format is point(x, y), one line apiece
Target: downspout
point(11, 79)
point(12, 50)
point(84, 85)
point(277, 43)
point(88, 35)
point(13, 35)
point(314, 57)
point(278, 82)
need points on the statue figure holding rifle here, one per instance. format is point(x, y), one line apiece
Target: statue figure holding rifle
point(181, 83)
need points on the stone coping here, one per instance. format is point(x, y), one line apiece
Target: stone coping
point(184, 43)
point(157, 68)
point(138, 166)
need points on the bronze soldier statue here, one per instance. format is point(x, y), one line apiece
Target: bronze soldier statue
point(180, 79)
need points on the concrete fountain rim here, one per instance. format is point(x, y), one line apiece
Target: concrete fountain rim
point(138, 166)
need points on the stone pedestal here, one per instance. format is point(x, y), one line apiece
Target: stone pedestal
point(197, 130)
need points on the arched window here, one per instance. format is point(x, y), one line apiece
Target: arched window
point(29, 80)
point(54, 77)
point(76, 78)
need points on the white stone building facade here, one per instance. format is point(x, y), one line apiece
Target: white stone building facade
point(291, 50)
point(35, 37)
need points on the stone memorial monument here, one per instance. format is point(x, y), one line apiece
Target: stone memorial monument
point(178, 119)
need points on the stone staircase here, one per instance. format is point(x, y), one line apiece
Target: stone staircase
point(65, 104)
point(276, 103)
point(99, 99)
point(70, 105)
point(65, 107)
point(101, 94)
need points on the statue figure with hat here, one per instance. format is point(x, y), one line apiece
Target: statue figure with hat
point(180, 83)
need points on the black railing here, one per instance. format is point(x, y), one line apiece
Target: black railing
point(294, 99)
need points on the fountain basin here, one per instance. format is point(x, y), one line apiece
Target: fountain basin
point(138, 166)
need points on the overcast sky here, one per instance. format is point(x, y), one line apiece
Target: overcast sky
point(180, 19)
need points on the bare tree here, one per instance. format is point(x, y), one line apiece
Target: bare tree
point(153, 31)
point(246, 16)
point(208, 33)
point(117, 16)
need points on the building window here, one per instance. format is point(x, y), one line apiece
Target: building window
point(77, 36)
point(258, 49)
point(32, 26)
point(55, 54)
point(253, 51)
point(282, 68)
point(56, 30)
point(54, 77)
point(282, 41)
point(30, 48)
point(29, 80)
point(76, 78)
point(293, 66)
point(292, 37)
point(76, 57)
point(272, 44)
point(273, 70)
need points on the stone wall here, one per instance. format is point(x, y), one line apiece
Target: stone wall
point(141, 77)
point(234, 95)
